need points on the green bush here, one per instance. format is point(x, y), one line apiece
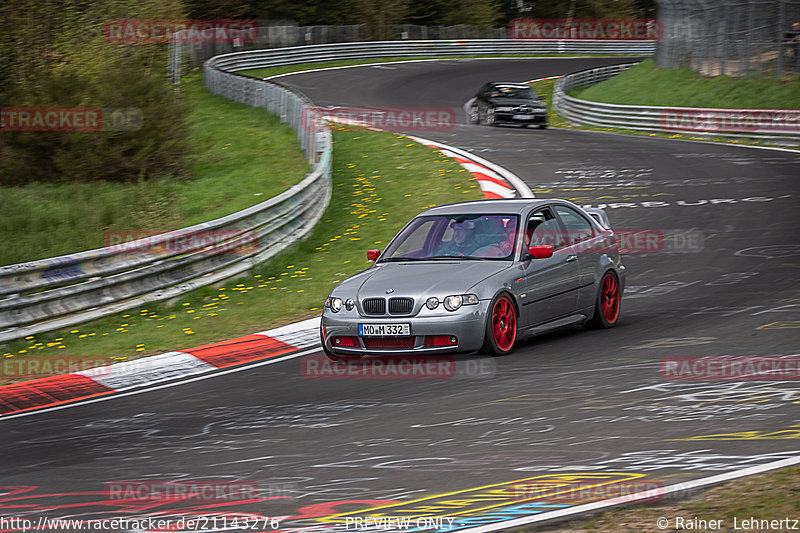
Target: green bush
point(54, 55)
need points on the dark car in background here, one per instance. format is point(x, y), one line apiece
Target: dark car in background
point(507, 103)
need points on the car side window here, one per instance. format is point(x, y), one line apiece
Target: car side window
point(543, 228)
point(578, 228)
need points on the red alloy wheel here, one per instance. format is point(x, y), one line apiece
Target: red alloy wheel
point(504, 324)
point(609, 298)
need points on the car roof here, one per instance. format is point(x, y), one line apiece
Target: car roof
point(513, 84)
point(499, 207)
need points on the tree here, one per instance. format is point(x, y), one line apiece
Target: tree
point(53, 54)
point(380, 16)
point(580, 9)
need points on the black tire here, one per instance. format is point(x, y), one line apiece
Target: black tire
point(489, 119)
point(542, 126)
point(608, 304)
point(500, 335)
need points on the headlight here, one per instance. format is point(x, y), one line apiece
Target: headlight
point(334, 304)
point(432, 303)
point(470, 299)
point(451, 303)
point(349, 304)
point(455, 301)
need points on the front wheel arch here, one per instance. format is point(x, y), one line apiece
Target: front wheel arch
point(608, 302)
point(500, 334)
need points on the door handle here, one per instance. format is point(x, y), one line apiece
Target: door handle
point(571, 258)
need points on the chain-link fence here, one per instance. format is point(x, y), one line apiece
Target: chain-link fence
point(743, 38)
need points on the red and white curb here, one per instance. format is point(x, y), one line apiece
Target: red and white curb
point(129, 375)
point(495, 181)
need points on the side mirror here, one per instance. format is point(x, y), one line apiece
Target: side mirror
point(541, 251)
point(372, 255)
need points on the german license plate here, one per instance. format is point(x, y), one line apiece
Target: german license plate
point(524, 117)
point(384, 330)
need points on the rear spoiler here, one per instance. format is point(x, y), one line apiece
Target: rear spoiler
point(599, 215)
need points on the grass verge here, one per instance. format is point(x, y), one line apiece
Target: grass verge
point(770, 496)
point(380, 181)
point(241, 156)
point(644, 84)
point(545, 89)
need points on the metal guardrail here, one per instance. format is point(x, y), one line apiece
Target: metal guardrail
point(48, 294)
point(742, 123)
point(425, 49)
point(52, 293)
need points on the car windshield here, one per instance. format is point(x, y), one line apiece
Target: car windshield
point(442, 237)
point(506, 91)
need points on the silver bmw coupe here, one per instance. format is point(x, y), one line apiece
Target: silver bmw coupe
point(478, 276)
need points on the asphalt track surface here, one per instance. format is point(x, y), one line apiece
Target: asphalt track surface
point(572, 406)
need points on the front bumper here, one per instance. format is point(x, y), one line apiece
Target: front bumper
point(467, 325)
point(509, 118)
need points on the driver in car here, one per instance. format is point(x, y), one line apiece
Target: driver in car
point(463, 241)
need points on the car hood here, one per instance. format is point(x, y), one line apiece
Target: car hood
point(420, 279)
